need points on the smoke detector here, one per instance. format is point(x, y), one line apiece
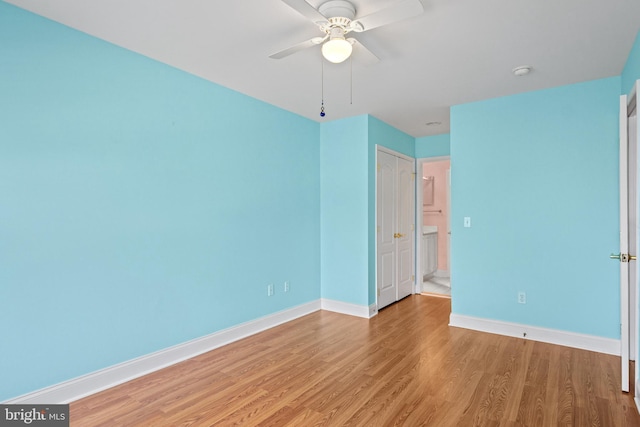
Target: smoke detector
point(522, 70)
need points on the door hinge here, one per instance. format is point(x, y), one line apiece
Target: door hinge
point(378, 167)
point(413, 278)
point(412, 227)
point(379, 295)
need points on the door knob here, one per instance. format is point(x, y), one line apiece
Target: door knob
point(623, 257)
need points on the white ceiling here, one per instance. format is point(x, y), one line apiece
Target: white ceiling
point(458, 51)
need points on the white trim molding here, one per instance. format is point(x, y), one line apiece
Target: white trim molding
point(394, 153)
point(373, 310)
point(347, 308)
point(442, 273)
point(534, 333)
point(85, 385)
point(434, 159)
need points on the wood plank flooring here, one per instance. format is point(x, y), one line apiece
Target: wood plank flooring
point(405, 366)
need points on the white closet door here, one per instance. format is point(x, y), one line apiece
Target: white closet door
point(395, 228)
point(386, 192)
point(405, 225)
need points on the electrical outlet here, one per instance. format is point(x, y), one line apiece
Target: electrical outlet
point(286, 286)
point(270, 290)
point(522, 297)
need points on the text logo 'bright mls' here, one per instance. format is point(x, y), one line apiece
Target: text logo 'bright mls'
point(36, 415)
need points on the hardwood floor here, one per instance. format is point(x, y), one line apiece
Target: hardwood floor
point(405, 366)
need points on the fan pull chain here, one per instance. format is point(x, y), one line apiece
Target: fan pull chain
point(322, 113)
point(351, 78)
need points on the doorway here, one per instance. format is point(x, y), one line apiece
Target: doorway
point(434, 230)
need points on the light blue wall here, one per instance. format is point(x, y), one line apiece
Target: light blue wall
point(348, 178)
point(631, 71)
point(433, 146)
point(344, 215)
point(387, 136)
point(140, 207)
point(538, 175)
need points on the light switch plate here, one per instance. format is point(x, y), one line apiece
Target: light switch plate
point(467, 221)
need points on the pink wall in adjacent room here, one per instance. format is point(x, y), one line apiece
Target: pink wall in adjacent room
point(439, 171)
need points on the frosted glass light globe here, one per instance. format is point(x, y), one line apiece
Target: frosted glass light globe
point(336, 50)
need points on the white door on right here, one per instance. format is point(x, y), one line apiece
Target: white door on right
point(628, 233)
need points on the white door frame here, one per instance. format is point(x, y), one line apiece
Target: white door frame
point(449, 222)
point(380, 148)
point(419, 218)
point(624, 246)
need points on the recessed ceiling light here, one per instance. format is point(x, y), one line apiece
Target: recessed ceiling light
point(522, 70)
point(433, 123)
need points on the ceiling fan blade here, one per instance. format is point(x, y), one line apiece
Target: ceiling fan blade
point(298, 47)
point(363, 53)
point(401, 10)
point(306, 10)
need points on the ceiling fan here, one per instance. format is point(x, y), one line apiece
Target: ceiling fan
point(337, 18)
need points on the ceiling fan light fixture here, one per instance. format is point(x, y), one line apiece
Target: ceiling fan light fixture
point(337, 50)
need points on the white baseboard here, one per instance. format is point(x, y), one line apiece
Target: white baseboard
point(442, 273)
point(348, 308)
point(637, 400)
point(373, 310)
point(103, 379)
point(551, 336)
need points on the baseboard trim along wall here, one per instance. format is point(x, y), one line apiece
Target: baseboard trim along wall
point(347, 308)
point(534, 333)
point(83, 386)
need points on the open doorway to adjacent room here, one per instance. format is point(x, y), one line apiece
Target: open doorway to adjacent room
point(434, 207)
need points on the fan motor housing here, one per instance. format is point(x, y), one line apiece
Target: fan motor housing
point(338, 9)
